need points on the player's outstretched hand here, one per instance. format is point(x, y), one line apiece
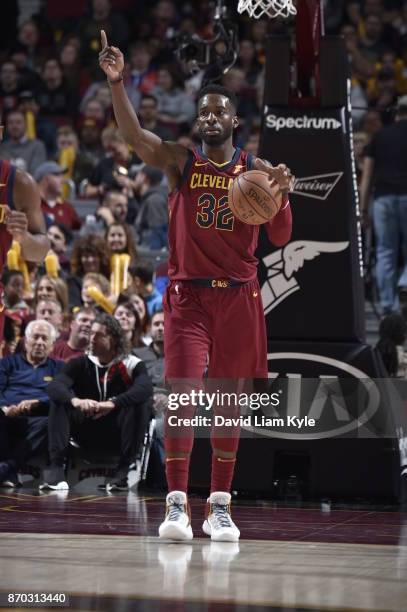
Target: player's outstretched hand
point(111, 59)
point(280, 174)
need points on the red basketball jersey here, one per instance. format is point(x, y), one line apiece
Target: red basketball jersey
point(205, 239)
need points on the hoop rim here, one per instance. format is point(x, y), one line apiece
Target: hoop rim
point(272, 8)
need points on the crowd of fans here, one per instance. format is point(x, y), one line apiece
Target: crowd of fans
point(59, 126)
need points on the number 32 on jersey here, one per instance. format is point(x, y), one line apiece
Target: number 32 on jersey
point(214, 212)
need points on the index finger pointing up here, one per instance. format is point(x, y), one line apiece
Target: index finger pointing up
point(103, 39)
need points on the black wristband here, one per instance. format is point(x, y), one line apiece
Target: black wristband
point(115, 81)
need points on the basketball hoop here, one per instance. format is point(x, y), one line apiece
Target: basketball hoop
point(272, 8)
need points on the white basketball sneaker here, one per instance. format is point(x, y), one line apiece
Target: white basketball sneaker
point(177, 523)
point(219, 524)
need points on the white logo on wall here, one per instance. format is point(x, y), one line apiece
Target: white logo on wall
point(333, 409)
point(282, 264)
point(318, 187)
point(302, 123)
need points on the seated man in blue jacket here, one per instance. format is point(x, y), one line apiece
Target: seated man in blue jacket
point(107, 384)
point(24, 401)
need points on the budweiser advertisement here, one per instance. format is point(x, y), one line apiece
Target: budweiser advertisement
point(312, 288)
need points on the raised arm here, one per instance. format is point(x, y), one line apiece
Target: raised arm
point(169, 157)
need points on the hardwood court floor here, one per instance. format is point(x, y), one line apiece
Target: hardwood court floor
point(103, 551)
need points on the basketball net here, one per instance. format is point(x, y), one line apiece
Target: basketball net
point(272, 8)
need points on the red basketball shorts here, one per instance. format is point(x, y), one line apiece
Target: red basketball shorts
point(222, 329)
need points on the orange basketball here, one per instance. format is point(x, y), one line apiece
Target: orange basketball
point(252, 198)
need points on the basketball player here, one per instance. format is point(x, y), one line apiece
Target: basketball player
point(21, 219)
point(213, 309)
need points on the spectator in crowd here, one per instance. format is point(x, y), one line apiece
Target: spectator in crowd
point(66, 152)
point(24, 153)
point(257, 33)
point(52, 288)
point(60, 237)
point(361, 67)
point(139, 77)
point(98, 92)
point(391, 62)
point(101, 18)
point(371, 123)
point(93, 109)
point(384, 96)
point(174, 105)
point(248, 62)
point(153, 357)
point(119, 238)
point(140, 306)
point(353, 12)
point(13, 326)
point(66, 138)
point(378, 9)
point(148, 113)
point(13, 286)
point(75, 75)
point(360, 141)
point(385, 167)
point(104, 96)
point(51, 311)
point(371, 42)
point(79, 335)
point(143, 275)
point(24, 400)
point(55, 99)
point(164, 18)
point(29, 38)
point(9, 87)
point(392, 337)
point(37, 126)
point(130, 323)
point(247, 108)
point(359, 102)
point(115, 206)
point(253, 141)
point(28, 78)
point(116, 170)
point(93, 279)
point(108, 384)
point(152, 217)
point(49, 177)
point(89, 254)
point(90, 150)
